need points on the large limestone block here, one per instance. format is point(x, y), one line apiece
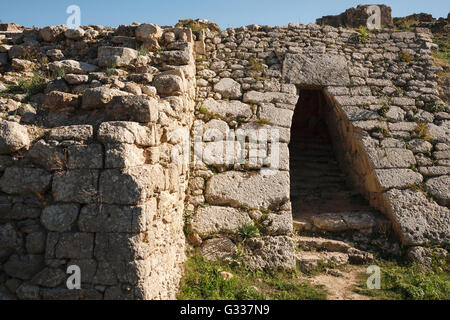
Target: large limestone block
point(75, 132)
point(228, 110)
point(147, 31)
point(439, 188)
point(25, 180)
point(229, 88)
point(123, 155)
point(168, 84)
point(133, 108)
point(322, 70)
point(13, 137)
point(114, 218)
point(276, 116)
point(127, 132)
point(98, 97)
point(271, 97)
point(270, 253)
point(420, 221)
point(116, 56)
point(53, 33)
point(391, 158)
point(79, 186)
point(397, 178)
point(59, 218)
point(218, 249)
point(72, 66)
point(131, 185)
point(214, 219)
point(70, 245)
point(252, 190)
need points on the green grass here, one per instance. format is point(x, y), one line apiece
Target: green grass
point(30, 86)
point(203, 281)
point(443, 41)
point(247, 231)
point(407, 281)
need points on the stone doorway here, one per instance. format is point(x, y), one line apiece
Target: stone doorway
point(319, 186)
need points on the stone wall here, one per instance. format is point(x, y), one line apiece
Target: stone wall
point(94, 150)
point(391, 131)
point(92, 170)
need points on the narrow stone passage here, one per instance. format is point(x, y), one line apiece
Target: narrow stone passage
point(318, 185)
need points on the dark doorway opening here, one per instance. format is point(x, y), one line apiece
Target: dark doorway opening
point(318, 184)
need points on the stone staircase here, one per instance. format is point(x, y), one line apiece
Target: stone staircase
point(321, 198)
point(313, 252)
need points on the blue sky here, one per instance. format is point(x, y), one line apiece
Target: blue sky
point(227, 13)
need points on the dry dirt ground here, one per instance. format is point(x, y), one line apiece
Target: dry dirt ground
point(340, 285)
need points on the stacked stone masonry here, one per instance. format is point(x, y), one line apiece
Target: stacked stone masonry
point(94, 170)
point(92, 174)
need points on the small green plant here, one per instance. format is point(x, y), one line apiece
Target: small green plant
point(142, 51)
point(263, 121)
point(422, 131)
point(406, 25)
point(256, 65)
point(247, 231)
point(59, 73)
point(363, 35)
point(29, 86)
point(203, 110)
point(380, 129)
point(405, 57)
point(384, 110)
point(111, 70)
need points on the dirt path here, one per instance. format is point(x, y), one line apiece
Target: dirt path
point(341, 287)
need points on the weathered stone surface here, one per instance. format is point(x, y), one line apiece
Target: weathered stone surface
point(322, 70)
point(116, 56)
point(397, 178)
point(419, 220)
point(85, 156)
point(278, 224)
point(76, 132)
point(49, 277)
point(131, 185)
point(271, 97)
point(338, 222)
point(120, 247)
point(228, 88)
point(439, 188)
point(10, 239)
point(112, 218)
point(35, 242)
point(13, 137)
point(60, 218)
point(276, 116)
point(218, 249)
point(28, 292)
point(122, 155)
point(47, 155)
point(228, 110)
point(24, 181)
point(147, 31)
point(214, 219)
point(127, 132)
point(74, 34)
point(133, 108)
point(391, 158)
point(168, 84)
point(56, 100)
point(74, 79)
point(53, 33)
point(72, 66)
point(79, 186)
point(255, 191)
point(71, 246)
point(98, 97)
point(270, 252)
point(23, 267)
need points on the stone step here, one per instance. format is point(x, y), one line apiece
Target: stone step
point(313, 243)
point(345, 221)
point(308, 261)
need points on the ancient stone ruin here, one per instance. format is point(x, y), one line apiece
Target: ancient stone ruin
point(130, 144)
